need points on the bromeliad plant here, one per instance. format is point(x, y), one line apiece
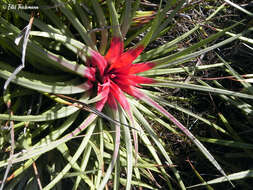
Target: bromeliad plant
point(69, 62)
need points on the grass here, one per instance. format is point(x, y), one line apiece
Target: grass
point(200, 82)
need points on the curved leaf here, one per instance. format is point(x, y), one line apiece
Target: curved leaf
point(202, 88)
point(56, 112)
point(234, 176)
point(36, 82)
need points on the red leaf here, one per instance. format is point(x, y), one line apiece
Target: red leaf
point(124, 80)
point(115, 50)
point(142, 80)
point(97, 60)
point(140, 67)
point(90, 73)
point(130, 90)
point(127, 58)
point(86, 85)
point(120, 97)
point(112, 102)
point(104, 90)
point(135, 68)
point(132, 80)
point(85, 124)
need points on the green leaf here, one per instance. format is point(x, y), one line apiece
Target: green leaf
point(44, 141)
point(40, 24)
point(152, 149)
point(128, 140)
point(234, 176)
point(68, 12)
point(116, 32)
point(239, 8)
point(36, 82)
point(200, 146)
point(186, 54)
point(165, 48)
point(156, 71)
point(164, 20)
point(202, 88)
point(56, 20)
point(126, 18)
point(75, 46)
point(63, 148)
point(56, 112)
point(72, 161)
point(84, 164)
point(103, 23)
point(115, 152)
point(229, 143)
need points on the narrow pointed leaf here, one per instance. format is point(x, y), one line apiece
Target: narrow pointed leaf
point(116, 32)
point(52, 114)
point(115, 50)
point(152, 103)
point(235, 176)
point(114, 156)
point(67, 10)
point(30, 81)
point(203, 88)
point(129, 152)
point(73, 160)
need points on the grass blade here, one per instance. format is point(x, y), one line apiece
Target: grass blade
point(129, 148)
